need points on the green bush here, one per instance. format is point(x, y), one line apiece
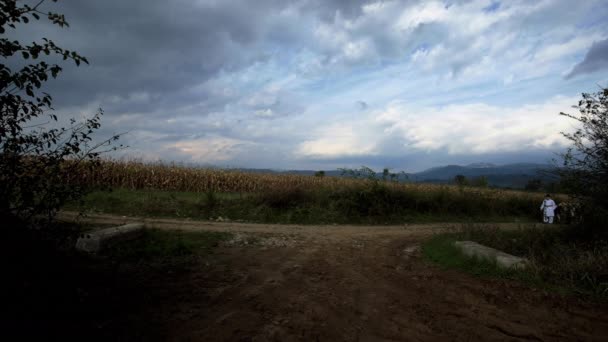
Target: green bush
point(37, 160)
point(371, 202)
point(584, 173)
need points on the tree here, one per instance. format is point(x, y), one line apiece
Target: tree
point(585, 163)
point(363, 173)
point(36, 161)
point(481, 182)
point(461, 180)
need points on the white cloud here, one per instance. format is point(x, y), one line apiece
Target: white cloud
point(570, 47)
point(266, 113)
point(452, 78)
point(518, 36)
point(424, 13)
point(337, 140)
point(210, 149)
point(479, 128)
point(463, 129)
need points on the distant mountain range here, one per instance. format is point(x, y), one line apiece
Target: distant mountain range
point(510, 175)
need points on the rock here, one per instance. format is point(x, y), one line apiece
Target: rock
point(502, 259)
point(411, 249)
point(94, 242)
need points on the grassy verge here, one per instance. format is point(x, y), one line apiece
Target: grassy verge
point(558, 259)
point(370, 203)
point(52, 291)
point(166, 246)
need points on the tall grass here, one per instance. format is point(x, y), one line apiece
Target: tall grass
point(137, 175)
point(144, 188)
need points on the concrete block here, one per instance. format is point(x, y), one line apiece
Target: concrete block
point(94, 242)
point(503, 260)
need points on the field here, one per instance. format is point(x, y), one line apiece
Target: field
point(230, 256)
point(160, 190)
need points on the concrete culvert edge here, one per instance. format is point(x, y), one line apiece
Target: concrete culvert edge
point(502, 259)
point(96, 241)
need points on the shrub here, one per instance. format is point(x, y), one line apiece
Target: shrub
point(585, 164)
point(34, 178)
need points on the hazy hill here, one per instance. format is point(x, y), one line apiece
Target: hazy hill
point(510, 175)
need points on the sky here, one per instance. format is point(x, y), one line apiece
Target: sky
point(325, 84)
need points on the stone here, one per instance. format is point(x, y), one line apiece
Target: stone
point(502, 259)
point(96, 241)
point(411, 249)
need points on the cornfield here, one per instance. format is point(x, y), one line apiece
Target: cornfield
point(136, 175)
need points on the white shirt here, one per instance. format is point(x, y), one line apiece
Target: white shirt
point(548, 206)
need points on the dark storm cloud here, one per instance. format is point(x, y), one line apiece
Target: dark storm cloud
point(595, 59)
point(158, 51)
point(155, 47)
point(328, 9)
point(257, 78)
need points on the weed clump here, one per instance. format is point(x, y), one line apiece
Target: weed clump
point(361, 201)
point(558, 257)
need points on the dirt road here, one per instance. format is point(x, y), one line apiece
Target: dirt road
point(342, 283)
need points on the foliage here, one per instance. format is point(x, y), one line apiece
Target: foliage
point(441, 249)
point(166, 246)
point(359, 202)
point(557, 257)
point(168, 190)
point(585, 166)
point(32, 155)
point(49, 286)
point(481, 182)
point(461, 180)
point(367, 173)
point(362, 173)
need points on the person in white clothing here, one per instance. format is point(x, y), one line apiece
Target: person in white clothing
point(548, 209)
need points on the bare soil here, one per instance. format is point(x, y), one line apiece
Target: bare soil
point(331, 283)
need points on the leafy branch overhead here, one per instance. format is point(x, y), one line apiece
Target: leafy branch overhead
point(33, 166)
point(585, 168)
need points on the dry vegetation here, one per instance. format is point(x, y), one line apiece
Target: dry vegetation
point(137, 175)
point(177, 191)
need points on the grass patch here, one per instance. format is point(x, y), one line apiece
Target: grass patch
point(164, 245)
point(49, 285)
point(557, 259)
point(361, 203)
point(440, 249)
